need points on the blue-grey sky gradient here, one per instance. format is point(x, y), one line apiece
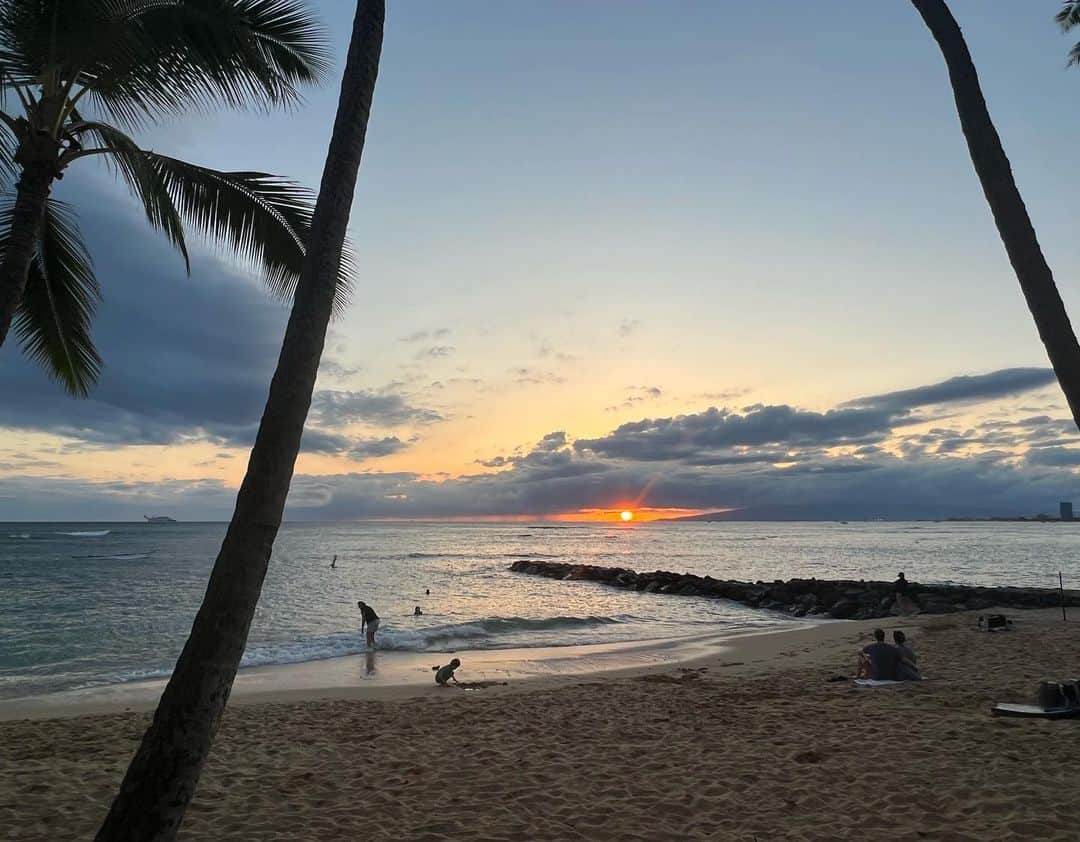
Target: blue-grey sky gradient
point(686, 237)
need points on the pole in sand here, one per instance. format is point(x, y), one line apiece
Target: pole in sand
point(1061, 586)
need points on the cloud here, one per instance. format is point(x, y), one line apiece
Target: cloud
point(552, 441)
point(551, 482)
point(525, 376)
point(1056, 456)
point(724, 395)
point(333, 368)
point(421, 335)
point(964, 389)
point(874, 456)
point(185, 357)
point(376, 447)
point(691, 437)
point(383, 409)
point(434, 352)
point(322, 441)
point(58, 498)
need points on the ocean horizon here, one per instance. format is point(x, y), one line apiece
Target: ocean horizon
point(93, 604)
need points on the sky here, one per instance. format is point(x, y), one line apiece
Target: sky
point(668, 257)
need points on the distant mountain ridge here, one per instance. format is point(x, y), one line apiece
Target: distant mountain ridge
point(835, 512)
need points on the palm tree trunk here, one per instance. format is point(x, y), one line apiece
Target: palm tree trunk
point(1010, 215)
point(26, 222)
point(161, 779)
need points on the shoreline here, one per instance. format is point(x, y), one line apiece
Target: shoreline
point(749, 741)
point(395, 675)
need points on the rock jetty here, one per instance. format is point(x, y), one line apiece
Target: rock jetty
point(837, 599)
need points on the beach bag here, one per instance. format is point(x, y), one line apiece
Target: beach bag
point(994, 622)
point(1051, 694)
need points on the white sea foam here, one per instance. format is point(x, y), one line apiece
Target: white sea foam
point(489, 633)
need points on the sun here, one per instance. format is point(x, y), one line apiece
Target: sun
point(626, 516)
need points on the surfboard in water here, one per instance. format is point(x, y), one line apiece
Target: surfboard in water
point(96, 534)
point(116, 556)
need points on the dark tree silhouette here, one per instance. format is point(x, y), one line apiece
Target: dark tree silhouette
point(1006, 205)
point(161, 780)
point(75, 77)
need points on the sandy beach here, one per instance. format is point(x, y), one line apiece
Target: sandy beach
point(748, 743)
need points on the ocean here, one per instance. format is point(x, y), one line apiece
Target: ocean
point(85, 605)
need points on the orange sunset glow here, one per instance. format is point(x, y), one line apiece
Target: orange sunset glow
point(624, 514)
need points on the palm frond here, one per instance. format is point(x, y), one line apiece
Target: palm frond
point(62, 294)
point(124, 156)
point(264, 219)
point(1067, 18)
point(149, 58)
point(8, 145)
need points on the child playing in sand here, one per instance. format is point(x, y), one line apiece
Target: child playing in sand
point(446, 673)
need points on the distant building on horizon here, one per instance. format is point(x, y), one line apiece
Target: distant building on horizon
point(1065, 506)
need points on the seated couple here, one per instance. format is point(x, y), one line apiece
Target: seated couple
point(883, 661)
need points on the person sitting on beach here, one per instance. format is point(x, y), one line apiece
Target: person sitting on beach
point(446, 673)
point(417, 612)
point(878, 660)
point(370, 620)
point(906, 670)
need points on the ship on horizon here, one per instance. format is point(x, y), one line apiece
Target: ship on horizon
point(158, 519)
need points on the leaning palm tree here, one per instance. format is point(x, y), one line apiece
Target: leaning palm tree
point(161, 779)
point(76, 76)
point(1011, 216)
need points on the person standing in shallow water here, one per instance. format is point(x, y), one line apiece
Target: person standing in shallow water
point(369, 620)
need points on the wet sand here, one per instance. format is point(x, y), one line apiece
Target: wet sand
point(750, 742)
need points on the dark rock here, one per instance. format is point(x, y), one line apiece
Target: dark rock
point(801, 597)
point(845, 609)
